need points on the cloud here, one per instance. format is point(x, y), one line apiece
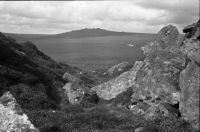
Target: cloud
point(61, 16)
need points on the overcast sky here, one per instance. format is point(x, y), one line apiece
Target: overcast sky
point(132, 16)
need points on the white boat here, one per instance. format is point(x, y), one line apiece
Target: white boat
point(131, 44)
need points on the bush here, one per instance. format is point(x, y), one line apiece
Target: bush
point(166, 124)
point(29, 99)
point(47, 120)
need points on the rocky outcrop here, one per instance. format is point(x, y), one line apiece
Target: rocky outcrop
point(189, 103)
point(159, 76)
point(119, 68)
point(168, 81)
point(190, 76)
point(190, 46)
point(12, 119)
point(114, 87)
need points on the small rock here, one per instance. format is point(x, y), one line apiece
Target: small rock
point(70, 78)
point(139, 129)
point(189, 28)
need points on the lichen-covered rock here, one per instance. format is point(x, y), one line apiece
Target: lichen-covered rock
point(74, 93)
point(157, 81)
point(119, 68)
point(168, 39)
point(12, 119)
point(114, 87)
point(191, 48)
point(151, 47)
point(190, 85)
point(168, 36)
point(159, 110)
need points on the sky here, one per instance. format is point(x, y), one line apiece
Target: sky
point(52, 17)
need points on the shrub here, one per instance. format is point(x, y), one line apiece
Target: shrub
point(166, 124)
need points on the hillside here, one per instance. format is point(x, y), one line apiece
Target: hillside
point(33, 98)
point(82, 33)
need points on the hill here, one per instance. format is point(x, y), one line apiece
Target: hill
point(86, 32)
point(93, 32)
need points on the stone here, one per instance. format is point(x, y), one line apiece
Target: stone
point(160, 110)
point(119, 68)
point(191, 48)
point(189, 103)
point(168, 36)
point(74, 93)
point(191, 45)
point(114, 87)
point(12, 119)
point(189, 28)
point(139, 129)
point(135, 109)
point(70, 78)
point(192, 31)
point(159, 77)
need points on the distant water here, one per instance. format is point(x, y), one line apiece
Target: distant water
point(95, 51)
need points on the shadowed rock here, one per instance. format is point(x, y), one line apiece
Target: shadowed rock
point(190, 76)
point(189, 103)
point(191, 45)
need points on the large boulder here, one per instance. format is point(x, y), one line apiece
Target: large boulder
point(12, 118)
point(156, 92)
point(192, 31)
point(190, 76)
point(114, 87)
point(74, 92)
point(168, 36)
point(159, 76)
point(170, 76)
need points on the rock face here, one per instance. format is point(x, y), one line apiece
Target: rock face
point(189, 103)
point(189, 78)
point(12, 119)
point(114, 87)
point(159, 75)
point(74, 93)
point(119, 68)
